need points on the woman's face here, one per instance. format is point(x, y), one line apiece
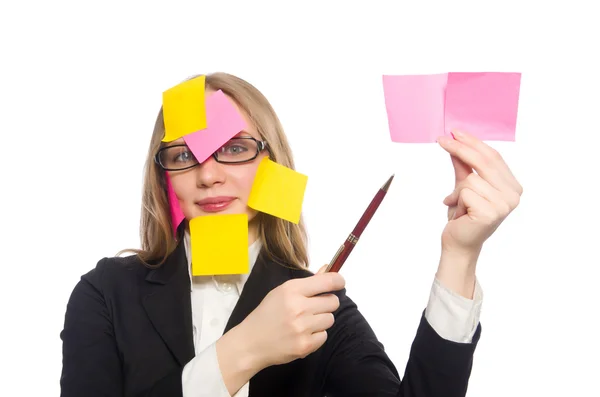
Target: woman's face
point(215, 188)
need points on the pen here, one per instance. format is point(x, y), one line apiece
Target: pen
point(344, 251)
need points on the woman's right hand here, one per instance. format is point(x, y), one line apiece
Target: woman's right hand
point(290, 323)
point(292, 320)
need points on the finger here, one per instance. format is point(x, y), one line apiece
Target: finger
point(468, 201)
point(482, 147)
point(461, 170)
point(327, 303)
point(319, 322)
point(461, 207)
point(479, 186)
point(322, 269)
point(309, 343)
point(451, 212)
point(489, 153)
point(319, 283)
point(476, 160)
point(317, 340)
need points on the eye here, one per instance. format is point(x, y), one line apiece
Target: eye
point(234, 148)
point(182, 156)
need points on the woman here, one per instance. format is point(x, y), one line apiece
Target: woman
point(142, 325)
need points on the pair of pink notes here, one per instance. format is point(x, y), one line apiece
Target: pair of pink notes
point(223, 122)
point(421, 108)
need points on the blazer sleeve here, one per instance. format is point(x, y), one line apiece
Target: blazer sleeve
point(357, 365)
point(91, 365)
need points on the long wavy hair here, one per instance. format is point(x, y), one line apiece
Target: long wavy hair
point(282, 241)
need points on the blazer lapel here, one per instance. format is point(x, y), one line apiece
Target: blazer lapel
point(275, 380)
point(167, 301)
point(265, 276)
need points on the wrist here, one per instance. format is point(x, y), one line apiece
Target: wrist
point(456, 271)
point(237, 361)
point(464, 258)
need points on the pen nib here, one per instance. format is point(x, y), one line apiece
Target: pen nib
point(386, 186)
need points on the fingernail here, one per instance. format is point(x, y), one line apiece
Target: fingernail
point(456, 133)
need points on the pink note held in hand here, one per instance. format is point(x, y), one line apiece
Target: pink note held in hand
point(223, 122)
point(422, 107)
point(415, 106)
point(483, 104)
point(176, 213)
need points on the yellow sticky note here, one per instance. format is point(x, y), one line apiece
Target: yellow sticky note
point(219, 244)
point(278, 190)
point(184, 111)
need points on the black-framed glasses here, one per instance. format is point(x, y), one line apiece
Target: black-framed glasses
point(236, 150)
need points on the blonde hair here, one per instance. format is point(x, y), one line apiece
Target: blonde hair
point(282, 242)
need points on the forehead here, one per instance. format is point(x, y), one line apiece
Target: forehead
point(250, 128)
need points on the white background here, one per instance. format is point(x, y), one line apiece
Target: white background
point(81, 84)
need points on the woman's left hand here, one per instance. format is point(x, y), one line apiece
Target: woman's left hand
point(480, 201)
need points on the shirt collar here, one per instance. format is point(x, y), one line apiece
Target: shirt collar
point(239, 279)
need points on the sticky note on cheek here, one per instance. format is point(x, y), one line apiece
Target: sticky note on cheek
point(219, 244)
point(184, 109)
point(177, 215)
point(278, 190)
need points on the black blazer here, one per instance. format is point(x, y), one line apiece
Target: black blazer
point(128, 332)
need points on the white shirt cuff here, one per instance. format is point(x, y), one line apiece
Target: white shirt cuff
point(452, 316)
point(202, 377)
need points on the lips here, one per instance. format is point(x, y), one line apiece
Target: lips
point(215, 204)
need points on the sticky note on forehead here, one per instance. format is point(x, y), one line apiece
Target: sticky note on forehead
point(278, 190)
point(219, 244)
point(223, 122)
point(184, 109)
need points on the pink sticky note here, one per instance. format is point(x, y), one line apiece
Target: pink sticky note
point(223, 121)
point(483, 104)
point(422, 107)
point(415, 107)
point(176, 213)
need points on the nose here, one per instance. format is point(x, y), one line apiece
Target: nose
point(210, 173)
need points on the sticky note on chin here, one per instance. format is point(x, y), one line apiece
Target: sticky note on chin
point(422, 107)
point(278, 190)
point(184, 109)
point(219, 244)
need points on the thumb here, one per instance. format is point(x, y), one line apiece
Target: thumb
point(461, 170)
point(461, 208)
point(322, 269)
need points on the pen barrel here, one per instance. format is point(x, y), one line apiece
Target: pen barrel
point(344, 251)
point(368, 214)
